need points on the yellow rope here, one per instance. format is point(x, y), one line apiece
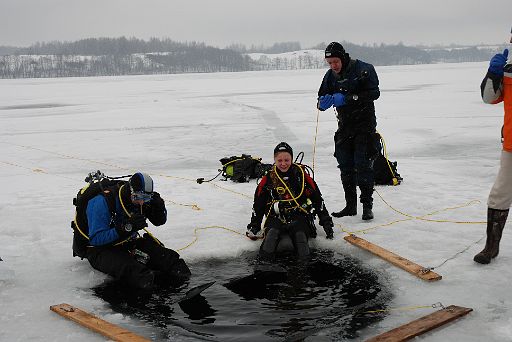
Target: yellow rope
point(429, 220)
point(232, 191)
point(178, 177)
point(196, 237)
point(294, 198)
point(193, 206)
point(63, 155)
point(407, 308)
point(364, 231)
point(36, 170)
point(196, 207)
point(24, 167)
point(411, 217)
point(314, 141)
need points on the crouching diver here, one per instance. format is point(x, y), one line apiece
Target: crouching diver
point(287, 195)
point(110, 222)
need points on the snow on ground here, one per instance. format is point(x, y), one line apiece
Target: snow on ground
point(177, 127)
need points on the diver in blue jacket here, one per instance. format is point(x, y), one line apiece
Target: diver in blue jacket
point(114, 219)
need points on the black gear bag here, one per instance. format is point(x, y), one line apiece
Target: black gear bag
point(385, 171)
point(241, 169)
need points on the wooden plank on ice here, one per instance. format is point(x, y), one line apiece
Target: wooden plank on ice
point(99, 325)
point(393, 258)
point(422, 325)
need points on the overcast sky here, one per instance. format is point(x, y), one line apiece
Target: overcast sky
point(223, 22)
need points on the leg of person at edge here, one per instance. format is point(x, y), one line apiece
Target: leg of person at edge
point(497, 87)
point(288, 196)
point(116, 246)
point(351, 86)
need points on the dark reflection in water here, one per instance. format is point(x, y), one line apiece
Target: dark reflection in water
point(324, 299)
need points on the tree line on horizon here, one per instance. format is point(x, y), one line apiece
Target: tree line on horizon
point(123, 56)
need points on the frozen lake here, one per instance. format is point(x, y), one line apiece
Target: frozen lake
point(177, 127)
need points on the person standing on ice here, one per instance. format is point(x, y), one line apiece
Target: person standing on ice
point(286, 196)
point(351, 86)
point(112, 219)
point(496, 87)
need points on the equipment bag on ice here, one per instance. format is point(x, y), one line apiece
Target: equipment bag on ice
point(240, 169)
point(385, 171)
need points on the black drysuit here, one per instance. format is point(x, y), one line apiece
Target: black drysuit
point(140, 262)
point(356, 144)
point(286, 199)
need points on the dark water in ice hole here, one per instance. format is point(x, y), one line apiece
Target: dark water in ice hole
point(324, 299)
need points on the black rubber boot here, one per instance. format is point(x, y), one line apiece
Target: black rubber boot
point(496, 220)
point(367, 201)
point(349, 210)
point(367, 212)
point(350, 200)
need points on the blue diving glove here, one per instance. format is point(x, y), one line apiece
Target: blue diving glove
point(498, 62)
point(339, 99)
point(325, 102)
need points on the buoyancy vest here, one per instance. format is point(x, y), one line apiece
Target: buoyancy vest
point(291, 190)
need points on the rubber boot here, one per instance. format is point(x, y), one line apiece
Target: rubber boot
point(367, 212)
point(367, 201)
point(496, 220)
point(350, 200)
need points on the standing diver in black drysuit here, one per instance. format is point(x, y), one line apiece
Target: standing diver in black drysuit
point(351, 86)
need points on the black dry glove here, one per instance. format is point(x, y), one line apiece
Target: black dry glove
point(252, 231)
point(325, 221)
point(135, 223)
point(155, 210)
point(329, 233)
point(157, 203)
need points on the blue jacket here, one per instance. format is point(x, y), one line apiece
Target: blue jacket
point(101, 223)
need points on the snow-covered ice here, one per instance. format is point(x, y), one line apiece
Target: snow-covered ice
point(177, 127)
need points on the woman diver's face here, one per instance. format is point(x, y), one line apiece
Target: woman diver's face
point(283, 161)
